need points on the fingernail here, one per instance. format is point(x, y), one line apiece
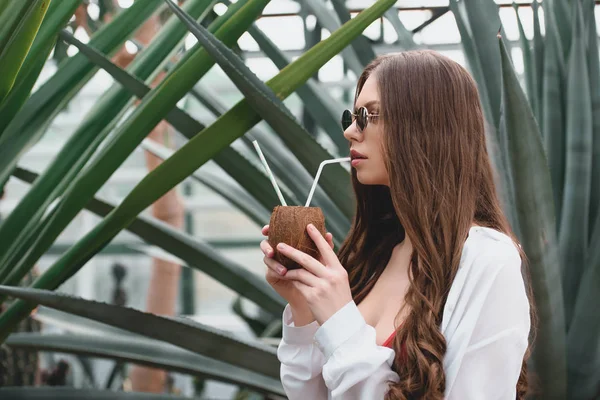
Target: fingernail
point(311, 227)
point(281, 246)
point(281, 270)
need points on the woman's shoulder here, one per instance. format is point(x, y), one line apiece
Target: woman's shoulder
point(490, 248)
point(490, 265)
point(487, 255)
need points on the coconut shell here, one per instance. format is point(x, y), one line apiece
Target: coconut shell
point(288, 225)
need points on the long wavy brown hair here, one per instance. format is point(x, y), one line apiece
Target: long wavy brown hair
point(441, 182)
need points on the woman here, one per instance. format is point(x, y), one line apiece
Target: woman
point(425, 299)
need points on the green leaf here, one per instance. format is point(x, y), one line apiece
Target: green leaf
point(329, 21)
point(69, 393)
point(336, 180)
point(573, 234)
point(361, 45)
point(14, 52)
point(198, 338)
point(538, 233)
point(231, 192)
point(197, 254)
point(25, 129)
point(98, 123)
point(190, 157)
point(583, 346)
point(593, 66)
point(527, 60)
point(538, 67)
point(484, 23)
point(151, 353)
point(473, 60)
point(127, 137)
point(321, 106)
point(553, 111)
point(57, 16)
point(561, 14)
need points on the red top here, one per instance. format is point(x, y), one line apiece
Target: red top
point(388, 342)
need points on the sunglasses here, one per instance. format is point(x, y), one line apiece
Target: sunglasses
point(362, 117)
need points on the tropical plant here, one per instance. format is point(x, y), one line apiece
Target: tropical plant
point(542, 145)
point(547, 143)
point(106, 137)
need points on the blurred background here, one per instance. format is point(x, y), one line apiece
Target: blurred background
point(135, 272)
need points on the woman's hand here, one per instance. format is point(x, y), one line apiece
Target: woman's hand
point(276, 272)
point(322, 283)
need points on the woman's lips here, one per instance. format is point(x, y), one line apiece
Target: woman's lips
point(356, 157)
point(357, 161)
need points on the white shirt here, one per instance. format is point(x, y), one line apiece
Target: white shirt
point(486, 325)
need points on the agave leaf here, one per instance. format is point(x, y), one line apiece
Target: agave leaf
point(336, 181)
point(321, 106)
point(10, 15)
point(561, 13)
point(152, 353)
point(538, 232)
point(573, 234)
point(145, 117)
point(191, 156)
point(24, 130)
point(251, 178)
point(76, 325)
point(194, 252)
point(98, 123)
point(57, 16)
point(473, 60)
point(361, 45)
point(329, 21)
point(582, 340)
point(538, 67)
point(553, 111)
point(484, 23)
point(593, 66)
point(234, 194)
point(14, 52)
point(69, 393)
point(193, 336)
point(527, 59)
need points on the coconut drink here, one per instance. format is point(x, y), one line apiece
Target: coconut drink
point(288, 223)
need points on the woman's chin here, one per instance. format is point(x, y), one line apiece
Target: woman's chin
point(365, 178)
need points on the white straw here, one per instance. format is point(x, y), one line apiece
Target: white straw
point(314, 185)
point(273, 182)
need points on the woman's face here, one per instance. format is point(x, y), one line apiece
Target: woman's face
point(370, 170)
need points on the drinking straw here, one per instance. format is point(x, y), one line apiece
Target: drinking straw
point(273, 182)
point(314, 185)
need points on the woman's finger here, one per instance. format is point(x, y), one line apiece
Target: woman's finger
point(274, 266)
point(265, 230)
point(266, 248)
point(329, 238)
point(303, 276)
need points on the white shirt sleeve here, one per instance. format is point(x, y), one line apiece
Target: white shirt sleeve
point(340, 357)
point(355, 366)
point(486, 352)
point(301, 361)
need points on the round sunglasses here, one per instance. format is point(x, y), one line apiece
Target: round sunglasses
point(362, 117)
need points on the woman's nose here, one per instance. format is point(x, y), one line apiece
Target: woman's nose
point(352, 134)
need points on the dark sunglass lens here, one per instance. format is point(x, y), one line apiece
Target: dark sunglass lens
point(361, 118)
point(346, 119)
